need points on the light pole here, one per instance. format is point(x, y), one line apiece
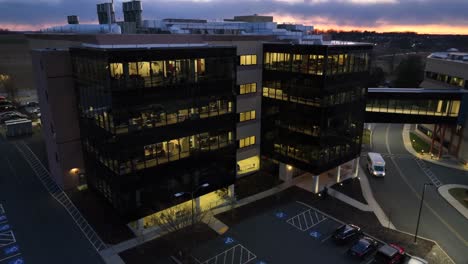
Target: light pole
point(420, 209)
point(191, 196)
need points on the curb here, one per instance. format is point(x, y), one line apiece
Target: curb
point(407, 144)
point(444, 192)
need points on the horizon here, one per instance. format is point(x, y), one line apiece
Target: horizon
point(420, 16)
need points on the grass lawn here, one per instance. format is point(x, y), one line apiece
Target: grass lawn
point(419, 144)
point(460, 194)
point(366, 136)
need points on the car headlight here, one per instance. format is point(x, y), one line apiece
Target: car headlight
point(375, 173)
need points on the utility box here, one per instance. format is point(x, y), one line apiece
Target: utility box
point(18, 127)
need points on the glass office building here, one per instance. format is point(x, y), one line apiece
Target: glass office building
point(313, 103)
point(156, 121)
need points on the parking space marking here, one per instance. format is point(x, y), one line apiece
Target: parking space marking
point(306, 220)
point(9, 257)
point(367, 261)
point(7, 238)
point(237, 254)
point(326, 238)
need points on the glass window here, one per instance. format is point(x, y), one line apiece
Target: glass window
point(248, 88)
point(245, 142)
point(246, 116)
point(116, 70)
point(248, 59)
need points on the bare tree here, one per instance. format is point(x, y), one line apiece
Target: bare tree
point(229, 200)
point(7, 84)
point(174, 219)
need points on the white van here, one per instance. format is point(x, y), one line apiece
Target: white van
point(375, 164)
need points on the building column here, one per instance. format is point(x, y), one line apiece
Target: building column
point(231, 191)
point(356, 167)
point(140, 225)
point(315, 183)
point(197, 205)
point(338, 174)
point(285, 172)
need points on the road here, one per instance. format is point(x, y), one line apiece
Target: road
point(399, 194)
point(43, 229)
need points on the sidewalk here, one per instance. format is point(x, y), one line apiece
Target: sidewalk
point(111, 256)
point(444, 192)
point(447, 161)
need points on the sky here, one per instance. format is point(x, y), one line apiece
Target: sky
point(422, 16)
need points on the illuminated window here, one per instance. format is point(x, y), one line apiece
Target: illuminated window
point(246, 116)
point(248, 165)
point(248, 59)
point(245, 142)
point(116, 70)
point(248, 88)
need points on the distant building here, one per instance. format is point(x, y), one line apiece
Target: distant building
point(448, 70)
point(252, 18)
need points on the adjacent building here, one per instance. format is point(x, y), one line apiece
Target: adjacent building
point(447, 70)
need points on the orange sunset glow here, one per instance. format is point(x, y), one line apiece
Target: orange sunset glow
point(323, 23)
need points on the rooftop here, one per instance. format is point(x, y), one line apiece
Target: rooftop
point(450, 55)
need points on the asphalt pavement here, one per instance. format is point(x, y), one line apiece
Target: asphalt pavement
point(400, 191)
point(43, 229)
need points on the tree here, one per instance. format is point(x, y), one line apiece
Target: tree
point(376, 77)
point(410, 72)
point(176, 218)
point(8, 86)
point(229, 200)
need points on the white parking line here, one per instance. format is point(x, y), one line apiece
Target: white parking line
point(7, 238)
point(10, 257)
point(367, 261)
point(306, 220)
point(245, 256)
point(325, 239)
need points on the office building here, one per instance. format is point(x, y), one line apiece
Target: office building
point(313, 105)
point(447, 70)
point(162, 114)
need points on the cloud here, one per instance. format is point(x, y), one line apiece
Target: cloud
point(345, 13)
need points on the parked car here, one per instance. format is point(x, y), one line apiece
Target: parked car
point(31, 104)
point(363, 247)
point(7, 113)
point(4, 102)
point(416, 260)
point(346, 233)
point(7, 108)
point(11, 117)
point(390, 254)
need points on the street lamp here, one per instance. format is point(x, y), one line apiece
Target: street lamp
point(420, 208)
point(191, 195)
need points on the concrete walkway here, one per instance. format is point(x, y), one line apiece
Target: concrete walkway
point(111, 256)
point(346, 199)
point(444, 192)
point(367, 193)
point(449, 162)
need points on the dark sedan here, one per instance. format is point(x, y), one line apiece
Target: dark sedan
point(346, 233)
point(363, 247)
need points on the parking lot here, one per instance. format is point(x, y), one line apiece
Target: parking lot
point(294, 233)
point(9, 249)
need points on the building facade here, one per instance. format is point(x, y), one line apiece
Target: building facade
point(155, 122)
point(447, 70)
point(165, 114)
point(313, 105)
